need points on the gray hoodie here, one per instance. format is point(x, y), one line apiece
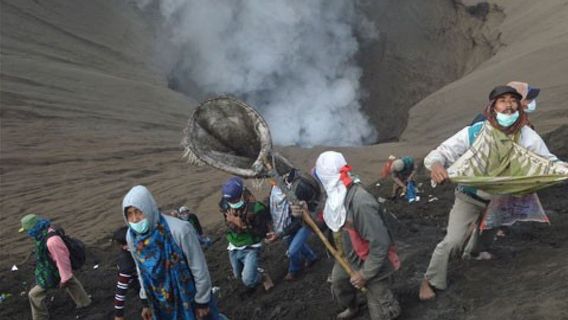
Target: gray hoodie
point(183, 234)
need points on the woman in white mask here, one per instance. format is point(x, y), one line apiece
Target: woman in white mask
point(173, 274)
point(528, 94)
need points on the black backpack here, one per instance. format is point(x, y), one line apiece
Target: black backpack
point(76, 247)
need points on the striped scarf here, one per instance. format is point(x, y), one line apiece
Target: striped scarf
point(499, 166)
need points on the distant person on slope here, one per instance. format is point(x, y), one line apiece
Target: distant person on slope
point(186, 215)
point(505, 113)
point(53, 266)
point(403, 171)
point(173, 274)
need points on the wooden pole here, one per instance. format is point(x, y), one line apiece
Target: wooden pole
point(310, 222)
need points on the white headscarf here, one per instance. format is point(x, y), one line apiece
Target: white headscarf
point(328, 165)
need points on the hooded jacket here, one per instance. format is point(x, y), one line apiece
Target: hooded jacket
point(183, 234)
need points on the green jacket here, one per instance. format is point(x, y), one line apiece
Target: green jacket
point(46, 272)
point(257, 220)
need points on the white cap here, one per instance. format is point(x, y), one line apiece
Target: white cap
point(398, 165)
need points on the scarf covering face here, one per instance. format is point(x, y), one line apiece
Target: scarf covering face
point(166, 276)
point(333, 172)
point(279, 209)
point(498, 165)
point(45, 272)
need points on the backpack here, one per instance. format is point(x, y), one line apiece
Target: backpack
point(77, 252)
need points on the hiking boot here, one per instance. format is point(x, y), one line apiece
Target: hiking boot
point(348, 313)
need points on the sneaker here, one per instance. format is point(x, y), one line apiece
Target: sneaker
point(348, 313)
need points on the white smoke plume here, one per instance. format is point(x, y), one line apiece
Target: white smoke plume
point(293, 60)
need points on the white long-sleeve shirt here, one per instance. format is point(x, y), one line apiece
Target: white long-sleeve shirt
point(454, 147)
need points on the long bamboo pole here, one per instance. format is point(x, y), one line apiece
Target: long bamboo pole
point(310, 222)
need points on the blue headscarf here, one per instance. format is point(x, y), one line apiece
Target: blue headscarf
point(39, 230)
point(45, 272)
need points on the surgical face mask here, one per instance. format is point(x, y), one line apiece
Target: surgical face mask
point(237, 205)
point(531, 107)
point(506, 120)
point(140, 226)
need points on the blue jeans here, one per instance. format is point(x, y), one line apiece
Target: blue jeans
point(298, 249)
point(245, 266)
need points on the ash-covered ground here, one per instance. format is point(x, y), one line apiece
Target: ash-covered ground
point(527, 280)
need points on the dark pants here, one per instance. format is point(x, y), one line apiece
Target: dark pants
point(380, 300)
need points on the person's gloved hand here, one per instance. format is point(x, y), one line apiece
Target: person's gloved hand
point(299, 208)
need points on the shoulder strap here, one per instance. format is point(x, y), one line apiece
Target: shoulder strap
point(474, 131)
point(350, 195)
point(55, 232)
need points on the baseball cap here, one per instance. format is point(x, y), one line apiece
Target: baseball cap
point(28, 222)
point(232, 191)
point(533, 93)
point(183, 209)
point(398, 165)
point(501, 90)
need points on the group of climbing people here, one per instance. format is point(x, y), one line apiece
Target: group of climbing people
point(161, 254)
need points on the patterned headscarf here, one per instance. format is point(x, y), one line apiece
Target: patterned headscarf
point(167, 279)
